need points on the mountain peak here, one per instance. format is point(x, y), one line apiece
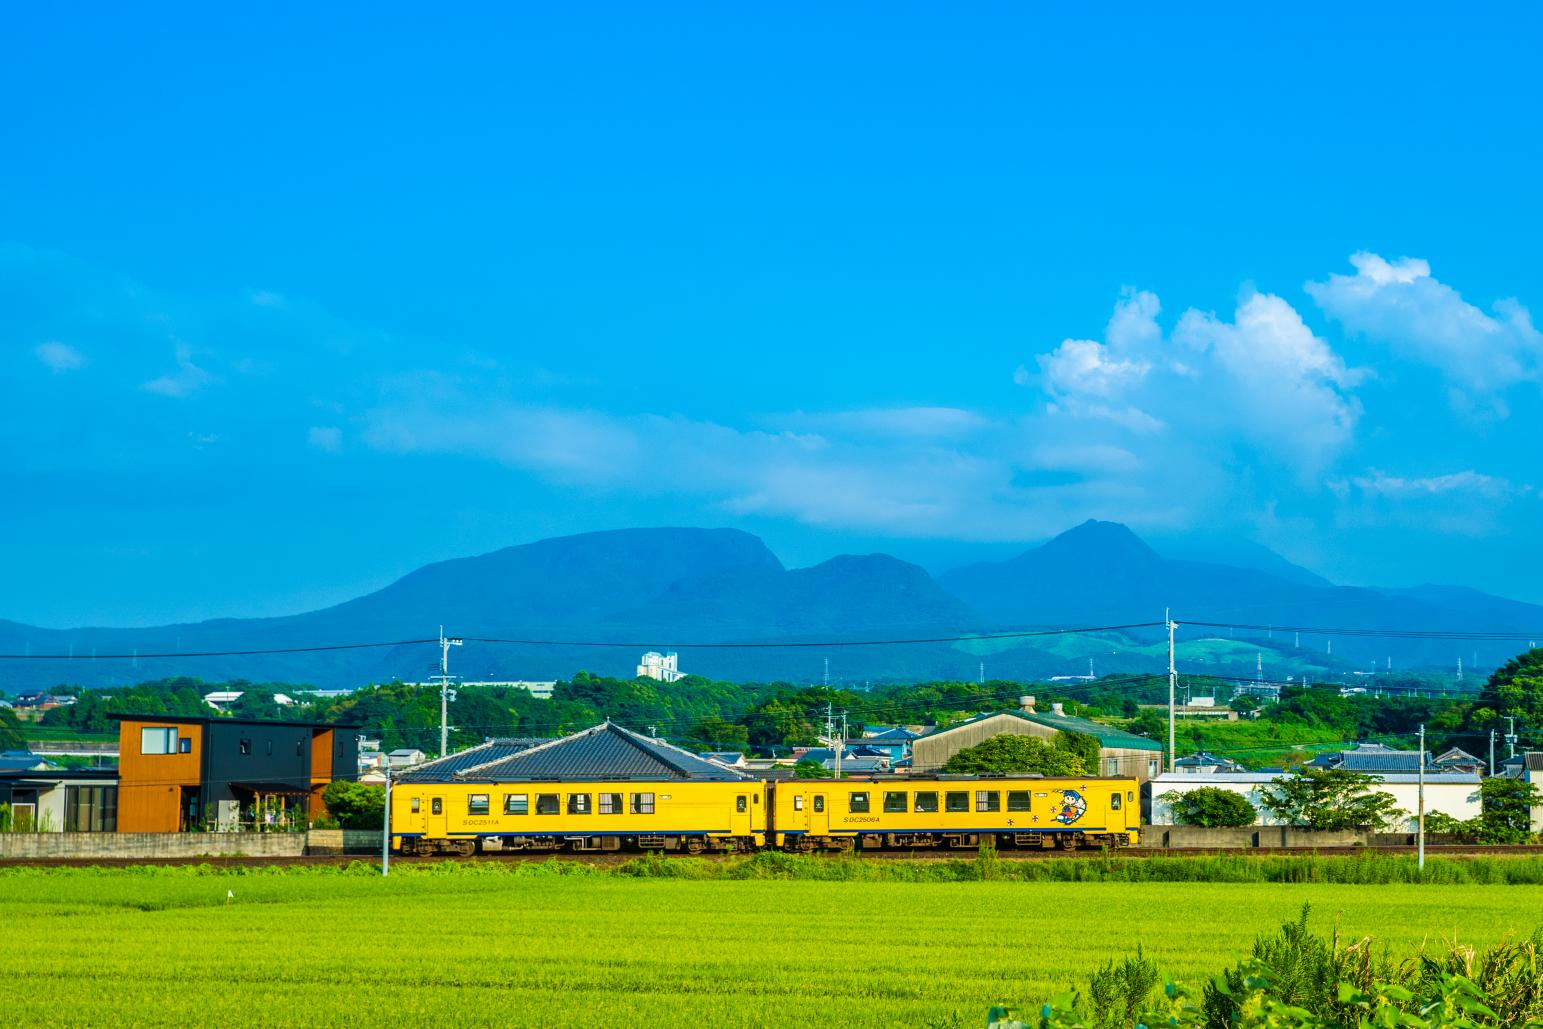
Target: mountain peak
point(1104, 539)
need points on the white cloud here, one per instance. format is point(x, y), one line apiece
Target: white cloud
point(59, 357)
point(1398, 303)
point(1466, 483)
point(186, 380)
point(325, 437)
point(1084, 367)
point(892, 422)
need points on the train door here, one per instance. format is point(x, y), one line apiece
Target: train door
point(819, 818)
point(436, 824)
point(739, 824)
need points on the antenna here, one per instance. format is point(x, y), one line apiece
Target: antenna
point(1459, 668)
point(827, 671)
point(983, 673)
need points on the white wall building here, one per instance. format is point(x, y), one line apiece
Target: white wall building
point(664, 667)
point(1451, 793)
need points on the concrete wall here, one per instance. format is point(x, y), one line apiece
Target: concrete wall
point(343, 841)
point(1190, 837)
point(149, 845)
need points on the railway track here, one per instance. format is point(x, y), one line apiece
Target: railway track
point(1131, 854)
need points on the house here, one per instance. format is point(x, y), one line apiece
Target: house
point(1203, 763)
point(1450, 793)
point(1375, 759)
point(894, 743)
point(443, 769)
point(178, 773)
point(43, 799)
point(732, 758)
point(855, 758)
point(1532, 772)
point(21, 761)
point(664, 667)
point(405, 757)
point(1456, 760)
point(1120, 752)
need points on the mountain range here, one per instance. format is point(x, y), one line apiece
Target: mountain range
point(673, 587)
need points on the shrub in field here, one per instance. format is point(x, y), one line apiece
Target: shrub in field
point(1011, 754)
point(1295, 979)
point(1210, 807)
point(1329, 798)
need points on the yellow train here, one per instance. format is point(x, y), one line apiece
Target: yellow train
point(734, 816)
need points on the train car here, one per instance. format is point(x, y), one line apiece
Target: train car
point(955, 811)
point(691, 817)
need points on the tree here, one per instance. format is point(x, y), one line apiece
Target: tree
point(717, 733)
point(1515, 690)
point(355, 805)
point(1210, 807)
point(812, 770)
point(1013, 754)
point(1507, 805)
point(1329, 798)
point(11, 737)
point(1080, 745)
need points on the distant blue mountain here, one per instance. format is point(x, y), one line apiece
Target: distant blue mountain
point(672, 587)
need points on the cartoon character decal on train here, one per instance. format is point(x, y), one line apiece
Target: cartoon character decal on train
point(1072, 807)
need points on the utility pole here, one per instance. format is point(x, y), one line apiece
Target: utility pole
point(842, 745)
point(1492, 752)
point(1510, 737)
point(1173, 683)
point(1421, 829)
point(385, 829)
point(445, 643)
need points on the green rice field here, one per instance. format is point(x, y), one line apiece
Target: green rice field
point(537, 945)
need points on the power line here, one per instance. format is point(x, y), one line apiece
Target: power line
point(1426, 634)
point(214, 653)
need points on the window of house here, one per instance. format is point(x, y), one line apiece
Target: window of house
point(547, 804)
point(299, 748)
point(158, 741)
point(516, 803)
point(1113, 766)
point(1017, 800)
point(926, 802)
point(857, 803)
point(416, 806)
point(245, 746)
point(184, 744)
point(798, 803)
point(642, 803)
point(477, 804)
point(437, 806)
point(1114, 801)
point(819, 802)
point(895, 803)
point(956, 801)
point(270, 748)
point(610, 804)
point(91, 809)
point(741, 804)
point(578, 803)
point(988, 800)
point(1152, 768)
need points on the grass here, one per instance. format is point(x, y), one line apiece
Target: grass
point(556, 944)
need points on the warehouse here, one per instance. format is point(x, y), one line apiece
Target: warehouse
point(179, 773)
point(1120, 753)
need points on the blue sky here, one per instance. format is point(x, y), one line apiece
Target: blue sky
point(291, 303)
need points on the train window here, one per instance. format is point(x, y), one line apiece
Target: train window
point(477, 804)
point(436, 806)
point(1130, 795)
point(927, 801)
point(956, 801)
point(1114, 801)
point(740, 805)
point(894, 803)
point(546, 804)
point(415, 805)
point(988, 800)
point(1018, 800)
point(819, 803)
point(578, 803)
point(610, 804)
point(642, 803)
point(798, 803)
point(516, 803)
point(857, 803)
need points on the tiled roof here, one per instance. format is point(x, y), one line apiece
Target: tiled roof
point(895, 735)
point(605, 752)
point(1360, 760)
point(1534, 759)
point(1108, 737)
point(442, 769)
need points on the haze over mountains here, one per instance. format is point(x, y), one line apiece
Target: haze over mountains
point(675, 586)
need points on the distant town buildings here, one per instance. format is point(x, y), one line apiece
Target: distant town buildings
point(539, 690)
point(664, 667)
